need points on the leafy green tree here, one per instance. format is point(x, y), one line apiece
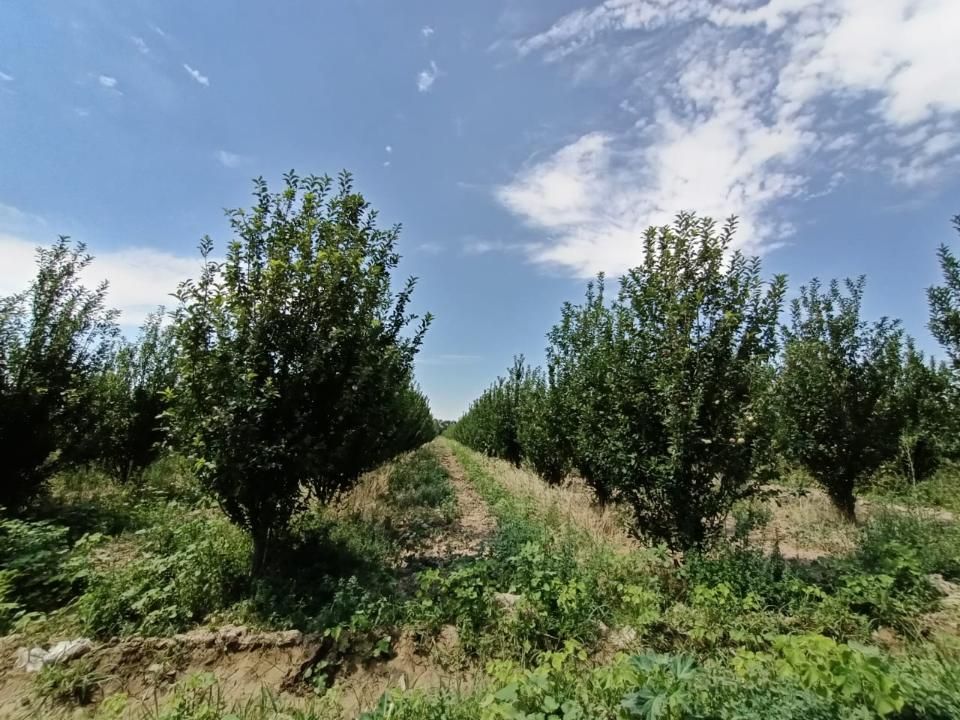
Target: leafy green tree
point(944, 303)
point(540, 430)
point(840, 388)
point(670, 389)
point(292, 353)
point(414, 421)
point(490, 424)
point(579, 356)
point(928, 409)
point(54, 339)
point(130, 400)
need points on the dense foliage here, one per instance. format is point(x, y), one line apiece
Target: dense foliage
point(491, 425)
point(945, 302)
point(54, 339)
point(663, 400)
point(839, 389)
point(130, 399)
point(679, 396)
point(293, 354)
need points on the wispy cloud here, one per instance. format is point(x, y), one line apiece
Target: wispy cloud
point(231, 160)
point(480, 246)
point(430, 248)
point(197, 75)
point(108, 82)
point(750, 106)
point(389, 149)
point(140, 44)
point(428, 77)
point(5, 78)
point(426, 31)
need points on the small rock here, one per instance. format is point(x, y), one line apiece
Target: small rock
point(287, 638)
point(30, 659)
point(34, 659)
point(67, 650)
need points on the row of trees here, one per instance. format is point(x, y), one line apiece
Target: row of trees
point(285, 370)
point(684, 394)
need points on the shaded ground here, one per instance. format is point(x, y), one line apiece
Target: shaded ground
point(244, 662)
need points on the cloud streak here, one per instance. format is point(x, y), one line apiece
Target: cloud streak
point(747, 108)
point(231, 160)
point(197, 75)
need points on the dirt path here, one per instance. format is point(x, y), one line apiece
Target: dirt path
point(474, 525)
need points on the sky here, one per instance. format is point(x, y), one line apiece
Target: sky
point(523, 146)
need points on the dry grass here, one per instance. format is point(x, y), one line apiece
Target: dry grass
point(366, 499)
point(805, 525)
point(572, 502)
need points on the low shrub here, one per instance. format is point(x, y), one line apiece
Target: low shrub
point(41, 569)
point(181, 571)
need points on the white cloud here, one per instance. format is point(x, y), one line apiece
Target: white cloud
point(140, 44)
point(196, 75)
point(231, 160)
point(481, 246)
point(140, 278)
point(430, 248)
point(426, 31)
point(428, 77)
point(386, 163)
point(6, 78)
point(389, 148)
point(754, 104)
point(108, 82)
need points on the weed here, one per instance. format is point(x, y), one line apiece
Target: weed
point(183, 571)
point(74, 683)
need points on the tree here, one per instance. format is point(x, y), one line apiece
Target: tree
point(54, 339)
point(944, 303)
point(540, 429)
point(839, 389)
point(292, 353)
point(928, 410)
point(669, 389)
point(490, 424)
point(579, 356)
point(129, 400)
point(414, 421)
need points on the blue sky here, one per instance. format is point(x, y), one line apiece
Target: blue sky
point(523, 145)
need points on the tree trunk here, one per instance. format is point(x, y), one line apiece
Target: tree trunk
point(261, 542)
point(844, 501)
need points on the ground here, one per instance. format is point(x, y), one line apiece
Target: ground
point(484, 563)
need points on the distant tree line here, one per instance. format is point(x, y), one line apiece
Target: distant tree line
point(685, 394)
point(285, 368)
